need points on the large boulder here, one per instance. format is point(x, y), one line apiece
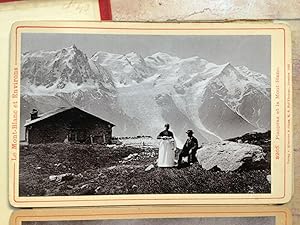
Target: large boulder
point(230, 156)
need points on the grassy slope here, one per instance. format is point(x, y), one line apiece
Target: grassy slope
point(102, 170)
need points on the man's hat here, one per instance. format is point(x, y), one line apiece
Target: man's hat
point(189, 132)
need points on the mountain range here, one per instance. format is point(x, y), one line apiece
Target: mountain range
point(140, 94)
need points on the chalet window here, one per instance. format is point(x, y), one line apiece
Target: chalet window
point(78, 136)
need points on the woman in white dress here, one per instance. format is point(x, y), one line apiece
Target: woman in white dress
point(167, 147)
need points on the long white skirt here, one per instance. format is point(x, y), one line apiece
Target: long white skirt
point(166, 154)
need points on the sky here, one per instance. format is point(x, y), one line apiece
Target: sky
point(253, 51)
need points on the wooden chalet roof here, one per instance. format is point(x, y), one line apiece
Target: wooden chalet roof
point(57, 111)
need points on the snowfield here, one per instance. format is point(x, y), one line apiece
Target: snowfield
point(141, 94)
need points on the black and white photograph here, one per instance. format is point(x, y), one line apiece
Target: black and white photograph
point(113, 114)
point(270, 220)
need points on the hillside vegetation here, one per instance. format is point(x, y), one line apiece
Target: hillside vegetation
point(64, 169)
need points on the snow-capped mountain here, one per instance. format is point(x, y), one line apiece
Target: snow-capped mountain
point(126, 69)
point(68, 75)
point(62, 71)
point(141, 94)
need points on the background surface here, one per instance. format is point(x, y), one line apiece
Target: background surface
point(162, 10)
point(145, 10)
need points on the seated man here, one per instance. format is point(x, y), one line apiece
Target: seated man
point(189, 149)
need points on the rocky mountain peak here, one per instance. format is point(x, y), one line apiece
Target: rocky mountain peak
point(74, 47)
point(153, 90)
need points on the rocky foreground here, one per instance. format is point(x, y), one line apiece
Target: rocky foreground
point(64, 169)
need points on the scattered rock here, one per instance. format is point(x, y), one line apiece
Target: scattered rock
point(52, 177)
point(61, 177)
point(131, 156)
point(269, 179)
point(150, 167)
point(230, 156)
point(111, 167)
point(84, 186)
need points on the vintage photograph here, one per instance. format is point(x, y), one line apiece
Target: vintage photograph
point(114, 114)
point(166, 221)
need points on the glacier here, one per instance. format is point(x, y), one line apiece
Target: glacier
point(140, 94)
